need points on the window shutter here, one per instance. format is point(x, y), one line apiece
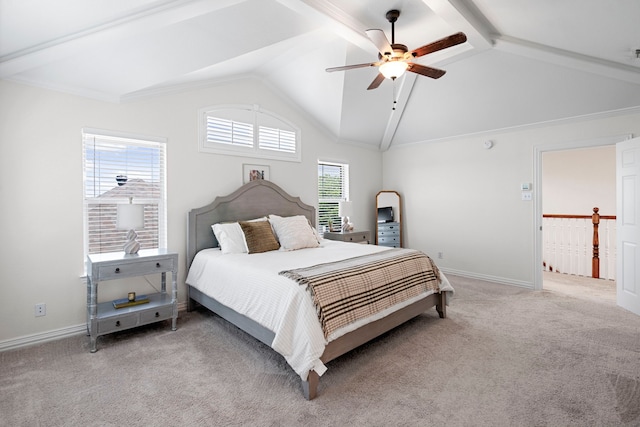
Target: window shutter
point(277, 139)
point(119, 170)
point(224, 131)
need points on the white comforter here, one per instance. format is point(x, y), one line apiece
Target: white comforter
point(250, 285)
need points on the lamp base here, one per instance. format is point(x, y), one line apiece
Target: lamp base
point(131, 246)
point(346, 225)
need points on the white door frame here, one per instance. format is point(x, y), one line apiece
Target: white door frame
point(537, 190)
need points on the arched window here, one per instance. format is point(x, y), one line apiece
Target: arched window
point(248, 130)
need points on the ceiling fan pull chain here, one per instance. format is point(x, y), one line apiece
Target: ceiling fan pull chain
point(394, 95)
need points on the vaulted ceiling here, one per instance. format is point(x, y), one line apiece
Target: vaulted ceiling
point(524, 61)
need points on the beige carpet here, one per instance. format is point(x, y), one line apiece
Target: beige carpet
point(504, 357)
point(600, 290)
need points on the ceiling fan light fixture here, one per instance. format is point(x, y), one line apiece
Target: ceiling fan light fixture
point(393, 69)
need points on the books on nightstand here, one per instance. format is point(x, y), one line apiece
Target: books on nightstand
point(124, 302)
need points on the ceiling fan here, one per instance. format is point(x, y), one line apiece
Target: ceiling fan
point(394, 58)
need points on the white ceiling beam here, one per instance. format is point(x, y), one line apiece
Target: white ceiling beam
point(334, 18)
point(146, 20)
point(455, 13)
point(568, 59)
point(402, 96)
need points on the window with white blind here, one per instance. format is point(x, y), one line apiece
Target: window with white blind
point(333, 187)
point(247, 130)
point(118, 169)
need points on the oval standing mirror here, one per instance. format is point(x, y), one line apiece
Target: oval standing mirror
point(389, 219)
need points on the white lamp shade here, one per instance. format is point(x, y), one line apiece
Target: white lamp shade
point(130, 217)
point(345, 208)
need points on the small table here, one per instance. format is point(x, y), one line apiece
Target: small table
point(360, 236)
point(103, 318)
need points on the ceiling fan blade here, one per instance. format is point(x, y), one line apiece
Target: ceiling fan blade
point(380, 41)
point(351, 67)
point(444, 43)
point(376, 82)
point(434, 73)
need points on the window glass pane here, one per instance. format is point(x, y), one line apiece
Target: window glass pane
point(122, 170)
point(333, 184)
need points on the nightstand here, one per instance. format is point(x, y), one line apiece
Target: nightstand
point(362, 236)
point(103, 318)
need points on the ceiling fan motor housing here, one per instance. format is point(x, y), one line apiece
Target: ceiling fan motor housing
point(399, 52)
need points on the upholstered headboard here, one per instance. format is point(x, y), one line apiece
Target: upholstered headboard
point(255, 199)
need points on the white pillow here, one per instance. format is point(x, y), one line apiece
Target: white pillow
point(293, 232)
point(230, 238)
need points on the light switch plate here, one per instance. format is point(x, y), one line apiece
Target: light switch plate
point(526, 195)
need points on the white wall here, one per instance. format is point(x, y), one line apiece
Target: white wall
point(576, 181)
point(465, 201)
point(41, 187)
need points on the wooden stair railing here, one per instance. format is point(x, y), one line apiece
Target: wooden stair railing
point(595, 219)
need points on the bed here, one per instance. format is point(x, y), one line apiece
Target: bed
point(295, 337)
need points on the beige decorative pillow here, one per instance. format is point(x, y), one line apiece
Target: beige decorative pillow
point(294, 232)
point(259, 236)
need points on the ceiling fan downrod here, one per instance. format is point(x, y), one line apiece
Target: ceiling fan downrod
point(392, 16)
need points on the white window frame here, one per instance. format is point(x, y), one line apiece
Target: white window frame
point(343, 196)
point(89, 137)
point(257, 117)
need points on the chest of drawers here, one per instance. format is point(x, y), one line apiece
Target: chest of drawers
point(389, 234)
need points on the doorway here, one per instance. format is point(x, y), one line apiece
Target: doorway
point(573, 182)
point(540, 277)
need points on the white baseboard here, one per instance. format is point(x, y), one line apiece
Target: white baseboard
point(488, 278)
point(43, 337)
point(55, 334)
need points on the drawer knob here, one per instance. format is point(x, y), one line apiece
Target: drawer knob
point(117, 323)
point(157, 314)
point(118, 271)
point(158, 264)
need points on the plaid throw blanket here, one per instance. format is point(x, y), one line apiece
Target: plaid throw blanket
point(355, 288)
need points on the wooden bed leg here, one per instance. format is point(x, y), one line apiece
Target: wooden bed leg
point(442, 305)
point(310, 386)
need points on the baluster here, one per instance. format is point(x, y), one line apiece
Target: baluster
point(595, 261)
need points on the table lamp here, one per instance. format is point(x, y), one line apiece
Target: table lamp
point(130, 217)
point(345, 209)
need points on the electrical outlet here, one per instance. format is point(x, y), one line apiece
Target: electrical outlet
point(41, 310)
point(440, 255)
